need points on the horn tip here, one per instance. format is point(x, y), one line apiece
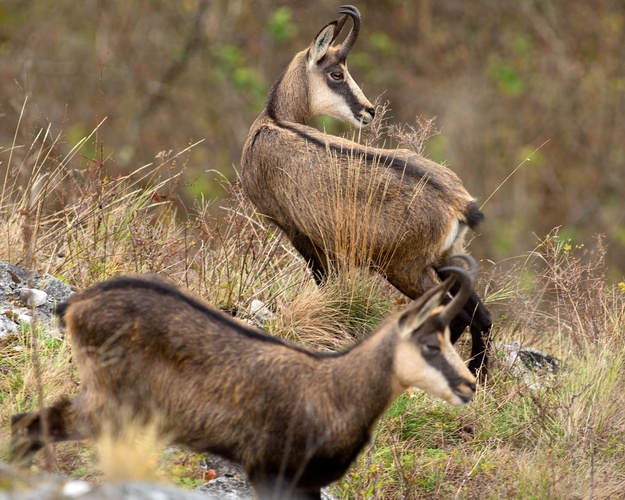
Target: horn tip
point(349, 10)
point(470, 261)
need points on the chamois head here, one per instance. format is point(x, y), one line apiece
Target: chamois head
point(317, 81)
point(425, 357)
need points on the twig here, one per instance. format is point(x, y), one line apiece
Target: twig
point(513, 172)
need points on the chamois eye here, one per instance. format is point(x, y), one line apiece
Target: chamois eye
point(432, 349)
point(336, 76)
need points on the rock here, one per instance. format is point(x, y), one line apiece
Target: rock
point(76, 488)
point(7, 326)
point(32, 297)
point(227, 488)
point(231, 481)
point(20, 289)
point(260, 312)
point(527, 363)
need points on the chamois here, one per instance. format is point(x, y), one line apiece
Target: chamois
point(409, 213)
point(294, 418)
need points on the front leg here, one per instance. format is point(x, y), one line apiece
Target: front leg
point(273, 488)
point(478, 319)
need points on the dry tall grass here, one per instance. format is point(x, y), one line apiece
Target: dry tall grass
point(65, 215)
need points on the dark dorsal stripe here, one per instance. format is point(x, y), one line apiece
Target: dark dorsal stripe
point(406, 168)
point(125, 282)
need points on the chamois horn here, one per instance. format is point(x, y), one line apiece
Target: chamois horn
point(465, 280)
point(349, 41)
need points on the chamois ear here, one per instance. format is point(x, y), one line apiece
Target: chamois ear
point(321, 43)
point(418, 312)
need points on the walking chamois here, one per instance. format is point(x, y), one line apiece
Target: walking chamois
point(294, 418)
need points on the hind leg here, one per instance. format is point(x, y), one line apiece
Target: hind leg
point(31, 431)
point(315, 258)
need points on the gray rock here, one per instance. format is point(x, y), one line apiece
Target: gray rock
point(45, 292)
point(32, 297)
point(7, 326)
point(260, 312)
point(230, 483)
point(527, 363)
point(227, 488)
point(57, 290)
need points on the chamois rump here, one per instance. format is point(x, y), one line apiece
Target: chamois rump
point(294, 418)
point(410, 212)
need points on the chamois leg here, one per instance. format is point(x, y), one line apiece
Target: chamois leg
point(478, 319)
point(272, 493)
point(275, 487)
point(27, 429)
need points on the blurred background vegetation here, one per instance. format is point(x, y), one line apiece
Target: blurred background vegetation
point(538, 84)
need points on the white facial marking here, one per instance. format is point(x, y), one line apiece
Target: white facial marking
point(325, 101)
point(413, 370)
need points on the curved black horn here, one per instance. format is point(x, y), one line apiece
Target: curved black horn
point(466, 280)
point(340, 22)
point(349, 41)
point(472, 265)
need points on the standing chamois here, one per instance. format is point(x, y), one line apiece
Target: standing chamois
point(392, 209)
point(294, 418)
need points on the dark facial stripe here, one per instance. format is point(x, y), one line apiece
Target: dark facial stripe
point(449, 372)
point(347, 93)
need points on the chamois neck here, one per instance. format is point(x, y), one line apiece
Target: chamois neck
point(371, 364)
point(289, 97)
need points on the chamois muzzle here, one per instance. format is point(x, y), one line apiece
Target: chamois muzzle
point(349, 41)
point(367, 115)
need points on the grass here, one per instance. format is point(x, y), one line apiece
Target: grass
point(64, 214)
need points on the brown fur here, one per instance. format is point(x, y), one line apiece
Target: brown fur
point(411, 212)
point(296, 419)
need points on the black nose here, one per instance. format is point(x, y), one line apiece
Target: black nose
point(371, 111)
point(472, 387)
